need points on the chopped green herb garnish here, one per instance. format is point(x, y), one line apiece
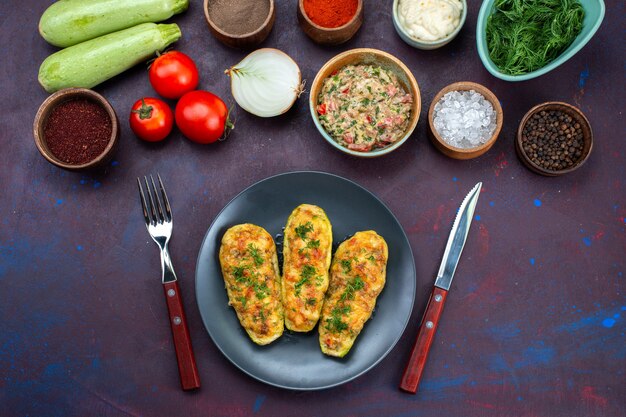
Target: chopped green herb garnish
point(371, 258)
point(304, 229)
point(345, 264)
point(312, 244)
point(238, 273)
point(311, 301)
point(261, 290)
point(308, 272)
point(243, 301)
point(254, 252)
point(334, 323)
point(355, 285)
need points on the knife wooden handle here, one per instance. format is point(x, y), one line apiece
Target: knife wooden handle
point(425, 336)
point(189, 378)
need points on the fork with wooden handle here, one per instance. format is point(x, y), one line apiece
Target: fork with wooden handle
point(158, 217)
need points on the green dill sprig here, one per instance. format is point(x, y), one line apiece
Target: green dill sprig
point(526, 35)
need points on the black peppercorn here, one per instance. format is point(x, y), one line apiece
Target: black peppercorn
point(552, 140)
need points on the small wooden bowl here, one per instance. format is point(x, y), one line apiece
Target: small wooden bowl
point(461, 153)
point(330, 36)
point(61, 96)
point(575, 114)
point(247, 40)
point(367, 56)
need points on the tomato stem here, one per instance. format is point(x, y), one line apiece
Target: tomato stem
point(229, 125)
point(145, 111)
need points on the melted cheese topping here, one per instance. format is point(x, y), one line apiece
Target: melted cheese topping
point(357, 276)
point(250, 270)
point(307, 251)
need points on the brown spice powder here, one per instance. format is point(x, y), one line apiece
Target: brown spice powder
point(238, 17)
point(77, 131)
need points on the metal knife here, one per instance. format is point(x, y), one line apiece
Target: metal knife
point(430, 320)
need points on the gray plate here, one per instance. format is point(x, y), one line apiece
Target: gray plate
point(295, 360)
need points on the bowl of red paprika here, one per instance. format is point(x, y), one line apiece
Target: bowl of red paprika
point(76, 129)
point(330, 22)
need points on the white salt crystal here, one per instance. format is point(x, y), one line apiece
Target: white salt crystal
point(464, 119)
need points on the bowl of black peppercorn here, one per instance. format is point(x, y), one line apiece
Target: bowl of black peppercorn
point(554, 138)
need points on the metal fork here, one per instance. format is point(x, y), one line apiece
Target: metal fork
point(158, 217)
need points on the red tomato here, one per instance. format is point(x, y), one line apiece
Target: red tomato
point(151, 119)
point(173, 74)
point(202, 116)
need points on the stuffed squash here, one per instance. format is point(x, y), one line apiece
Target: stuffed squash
point(250, 269)
point(307, 251)
point(357, 276)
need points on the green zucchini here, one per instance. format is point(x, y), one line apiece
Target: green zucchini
point(91, 62)
point(68, 22)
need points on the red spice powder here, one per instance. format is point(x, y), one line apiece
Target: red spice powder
point(330, 13)
point(77, 131)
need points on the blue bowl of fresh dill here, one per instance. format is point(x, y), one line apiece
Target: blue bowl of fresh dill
point(519, 40)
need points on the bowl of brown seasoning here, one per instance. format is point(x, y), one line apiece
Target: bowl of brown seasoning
point(240, 23)
point(76, 129)
point(554, 138)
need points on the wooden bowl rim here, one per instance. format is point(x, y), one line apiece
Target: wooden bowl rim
point(359, 10)
point(571, 110)
point(62, 96)
point(438, 42)
point(266, 22)
point(485, 92)
point(417, 100)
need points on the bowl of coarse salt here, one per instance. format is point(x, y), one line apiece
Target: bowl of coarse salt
point(465, 119)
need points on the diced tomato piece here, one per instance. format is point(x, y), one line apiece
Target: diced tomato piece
point(346, 91)
point(362, 147)
point(321, 109)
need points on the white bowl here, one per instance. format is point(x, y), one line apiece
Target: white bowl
point(420, 44)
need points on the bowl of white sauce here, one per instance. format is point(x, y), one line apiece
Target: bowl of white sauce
point(428, 24)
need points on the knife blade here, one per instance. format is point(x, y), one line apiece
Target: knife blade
point(432, 314)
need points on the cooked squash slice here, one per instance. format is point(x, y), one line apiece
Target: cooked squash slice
point(357, 276)
point(250, 270)
point(307, 251)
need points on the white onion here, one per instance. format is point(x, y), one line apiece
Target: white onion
point(266, 83)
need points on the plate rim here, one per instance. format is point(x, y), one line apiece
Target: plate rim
point(373, 364)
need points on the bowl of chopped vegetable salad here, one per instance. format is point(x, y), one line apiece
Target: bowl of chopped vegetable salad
point(365, 102)
point(521, 40)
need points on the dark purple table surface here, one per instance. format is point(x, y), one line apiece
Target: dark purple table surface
point(534, 324)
